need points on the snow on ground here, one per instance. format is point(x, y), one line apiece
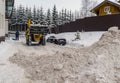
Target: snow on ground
point(11, 73)
point(87, 38)
point(99, 63)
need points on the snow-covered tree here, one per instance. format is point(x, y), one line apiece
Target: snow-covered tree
point(42, 17)
point(48, 17)
point(87, 5)
point(55, 16)
point(76, 15)
point(71, 16)
point(20, 14)
point(64, 17)
point(34, 17)
point(26, 13)
point(61, 17)
point(38, 16)
point(29, 13)
point(68, 16)
point(14, 16)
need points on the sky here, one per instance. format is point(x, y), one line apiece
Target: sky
point(68, 4)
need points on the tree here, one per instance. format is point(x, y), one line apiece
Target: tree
point(20, 14)
point(34, 15)
point(76, 15)
point(14, 16)
point(64, 17)
point(29, 13)
point(71, 15)
point(42, 17)
point(68, 16)
point(61, 17)
point(55, 16)
point(87, 5)
point(38, 16)
point(48, 17)
point(26, 13)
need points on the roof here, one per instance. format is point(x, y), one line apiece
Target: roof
point(105, 1)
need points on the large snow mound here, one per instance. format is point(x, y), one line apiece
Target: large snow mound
point(99, 63)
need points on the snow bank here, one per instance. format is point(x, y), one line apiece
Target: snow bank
point(99, 63)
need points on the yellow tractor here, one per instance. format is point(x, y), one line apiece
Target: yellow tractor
point(36, 33)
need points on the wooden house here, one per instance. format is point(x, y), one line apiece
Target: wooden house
point(106, 7)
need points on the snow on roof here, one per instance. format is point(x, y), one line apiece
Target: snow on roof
point(105, 1)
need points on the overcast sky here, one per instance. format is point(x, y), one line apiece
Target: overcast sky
point(68, 4)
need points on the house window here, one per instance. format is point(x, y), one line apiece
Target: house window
point(107, 9)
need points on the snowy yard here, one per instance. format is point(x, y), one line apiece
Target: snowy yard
point(87, 38)
point(12, 73)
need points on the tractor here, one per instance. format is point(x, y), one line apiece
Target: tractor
point(36, 33)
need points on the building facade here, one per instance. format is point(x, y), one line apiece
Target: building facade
point(106, 7)
point(2, 20)
point(9, 7)
point(6, 7)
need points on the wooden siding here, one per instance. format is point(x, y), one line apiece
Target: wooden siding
point(113, 9)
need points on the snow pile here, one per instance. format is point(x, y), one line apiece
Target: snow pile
point(99, 63)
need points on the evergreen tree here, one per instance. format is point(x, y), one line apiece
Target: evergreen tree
point(42, 17)
point(48, 17)
point(38, 16)
point(65, 16)
point(26, 13)
point(20, 14)
point(77, 14)
point(24, 17)
point(55, 16)
point(14, 16)
point(34, 15)
point(71, 15)
point(29, 13)
point(60, 18)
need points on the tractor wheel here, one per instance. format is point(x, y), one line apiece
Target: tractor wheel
point(30, 41)
point(27, 41)
point(43, 41)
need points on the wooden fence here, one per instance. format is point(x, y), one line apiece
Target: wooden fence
point(96, 23)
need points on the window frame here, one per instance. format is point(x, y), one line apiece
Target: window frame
point(107, 9)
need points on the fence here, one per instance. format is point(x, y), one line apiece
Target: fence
point(96, 23)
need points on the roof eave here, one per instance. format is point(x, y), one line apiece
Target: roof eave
point(95, 8)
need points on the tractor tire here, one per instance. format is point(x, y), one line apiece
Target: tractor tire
point(30, 41)
point(27, 41)
point(43, 41)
